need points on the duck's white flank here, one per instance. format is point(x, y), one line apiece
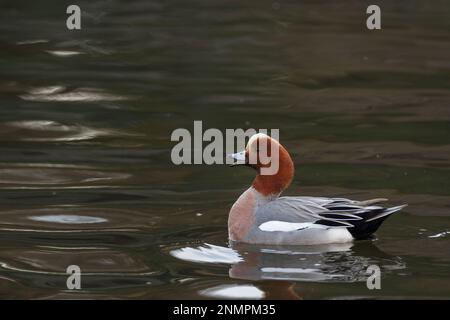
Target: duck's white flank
point(276, 225)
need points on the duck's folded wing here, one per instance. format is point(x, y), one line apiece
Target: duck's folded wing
point(288, 213)
point(307, 209)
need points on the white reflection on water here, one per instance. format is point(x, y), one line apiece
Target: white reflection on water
point(6, 266)
point(207, 254)
point(64, 53)
point(68, 219)
point(54, 131)
point(47, 90)
point(233, 291)
point(440, 235)
point(323, 263)
point(71, 230)
point(55, 93)
point(31, 42)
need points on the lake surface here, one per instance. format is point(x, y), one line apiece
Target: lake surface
point(85, 124)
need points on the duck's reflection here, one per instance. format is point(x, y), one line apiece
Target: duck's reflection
point(323, 263)
point(309, 263)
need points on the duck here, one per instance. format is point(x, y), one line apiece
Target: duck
point(262, 216)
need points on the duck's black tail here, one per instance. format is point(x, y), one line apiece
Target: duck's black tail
point(370, 222)
point(361, 218)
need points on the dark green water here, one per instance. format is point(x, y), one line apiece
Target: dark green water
point(85, 124)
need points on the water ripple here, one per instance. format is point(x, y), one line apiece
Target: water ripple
point(48, 94)
point(440, 235)
point(207, 254)
point(44, 176)
point(68, 219)
point(35, 41)
point(45, 130)
point(64, 53)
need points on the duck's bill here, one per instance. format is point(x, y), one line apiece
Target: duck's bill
point(239, 157)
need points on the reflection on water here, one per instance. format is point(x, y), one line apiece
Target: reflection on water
point(208, 254)
point(42, 130)
point(440, 235)
point(60, 53)
point(233, 292)
point(55, 93)
point(85, 125)
point(31, 42)
point(69, 219)
point(335, 262)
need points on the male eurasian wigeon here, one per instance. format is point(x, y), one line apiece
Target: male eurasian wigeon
point(261, 216)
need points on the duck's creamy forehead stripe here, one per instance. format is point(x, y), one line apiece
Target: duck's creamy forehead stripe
point(276, 225)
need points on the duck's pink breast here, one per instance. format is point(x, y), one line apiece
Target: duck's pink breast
point(241, 216)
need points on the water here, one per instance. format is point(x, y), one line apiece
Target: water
point(85, 124)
